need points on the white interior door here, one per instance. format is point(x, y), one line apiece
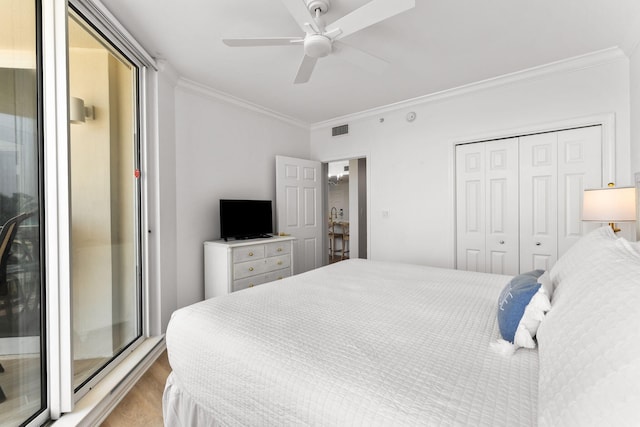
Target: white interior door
point(538, 201)
point(579, 168)
point(487, 207)
point(470, 206)
point(501, 177)
point(299, 209)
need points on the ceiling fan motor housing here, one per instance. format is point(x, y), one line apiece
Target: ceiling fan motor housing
point(317, 46)
point(321, 5)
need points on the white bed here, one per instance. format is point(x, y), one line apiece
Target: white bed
point(372, 343)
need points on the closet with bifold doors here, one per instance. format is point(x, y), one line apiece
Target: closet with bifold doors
point(519, 199)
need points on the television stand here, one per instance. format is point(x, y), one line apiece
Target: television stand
point(254, 236)
point(235, 265)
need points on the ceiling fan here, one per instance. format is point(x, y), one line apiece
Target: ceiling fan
point(320, 40)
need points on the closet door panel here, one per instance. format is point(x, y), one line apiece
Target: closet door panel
point(470, 206)
point(579, 168)
point(502, 206)
point(538, 201)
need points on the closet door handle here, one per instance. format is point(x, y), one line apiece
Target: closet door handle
point(501, 242)
point(538, 244)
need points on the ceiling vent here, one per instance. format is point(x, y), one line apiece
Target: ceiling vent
point(340, 130)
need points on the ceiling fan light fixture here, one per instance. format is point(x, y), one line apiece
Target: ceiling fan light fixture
point(317, 46)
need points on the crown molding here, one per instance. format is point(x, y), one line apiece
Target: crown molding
point(570, 64)
point(168, 70)
point(632, 40)
point(200, 89)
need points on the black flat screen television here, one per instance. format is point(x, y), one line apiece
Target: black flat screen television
point(245, 219)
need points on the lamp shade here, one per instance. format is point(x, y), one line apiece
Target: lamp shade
point(76, 110)
point(615, 204)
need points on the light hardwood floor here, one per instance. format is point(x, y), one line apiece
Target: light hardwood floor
point(142, 406)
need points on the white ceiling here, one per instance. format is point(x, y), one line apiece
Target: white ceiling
point(439, 45)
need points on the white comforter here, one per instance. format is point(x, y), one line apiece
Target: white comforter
point(355, 343)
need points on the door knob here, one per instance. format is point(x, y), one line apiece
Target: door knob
point(501, 242)
point(538, 243)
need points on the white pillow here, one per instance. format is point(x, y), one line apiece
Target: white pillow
point(580, 254)
point(589, 343)
point(547, 284)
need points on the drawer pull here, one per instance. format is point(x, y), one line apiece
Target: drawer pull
point(279, 262)
point(279, 249)
point(250, 268)
point(250, 253)
point(251, 285)
point(280, 278)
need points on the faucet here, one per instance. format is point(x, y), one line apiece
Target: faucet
point(334, 213)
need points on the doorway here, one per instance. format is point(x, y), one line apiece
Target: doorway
point(346, 209)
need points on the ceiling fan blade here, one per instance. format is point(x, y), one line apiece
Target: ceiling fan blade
point(369, 14)
point(305, 70)
point(298, 9)
point(263, 41)
point(360, 58)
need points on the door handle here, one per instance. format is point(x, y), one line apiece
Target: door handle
point(501, 242)
point(538, 244)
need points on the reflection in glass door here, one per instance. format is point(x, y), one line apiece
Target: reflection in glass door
point(22, 379)
point(104, 201)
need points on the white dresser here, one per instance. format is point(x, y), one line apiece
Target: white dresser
point(239, 264)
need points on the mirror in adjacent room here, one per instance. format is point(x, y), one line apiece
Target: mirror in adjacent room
point(346, 210)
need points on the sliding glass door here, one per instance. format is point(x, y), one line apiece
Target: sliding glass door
point(22, 353)
point(91, 303)
point(105, 194)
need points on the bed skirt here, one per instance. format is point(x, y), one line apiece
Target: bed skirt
point(180, 410)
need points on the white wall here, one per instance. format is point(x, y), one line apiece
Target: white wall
point(634, 78)
point(634, 83)
point(222, 151)
point(354, 224)
point(161, 174)
point(411, 163)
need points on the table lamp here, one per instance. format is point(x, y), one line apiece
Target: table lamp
point(612, 204)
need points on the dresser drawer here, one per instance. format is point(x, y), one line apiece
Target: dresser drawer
point(277, 263)
point(278, 275)
point(249, 282)
point(249, 268)
point(246, 253)
point(278, 248)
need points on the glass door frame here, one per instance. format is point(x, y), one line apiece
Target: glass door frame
point(57, 223)
point(86, 385)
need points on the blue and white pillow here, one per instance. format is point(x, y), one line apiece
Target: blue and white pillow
point(521, 307)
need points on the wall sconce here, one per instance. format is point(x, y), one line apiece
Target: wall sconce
point(78, 112)
point(612, 204)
